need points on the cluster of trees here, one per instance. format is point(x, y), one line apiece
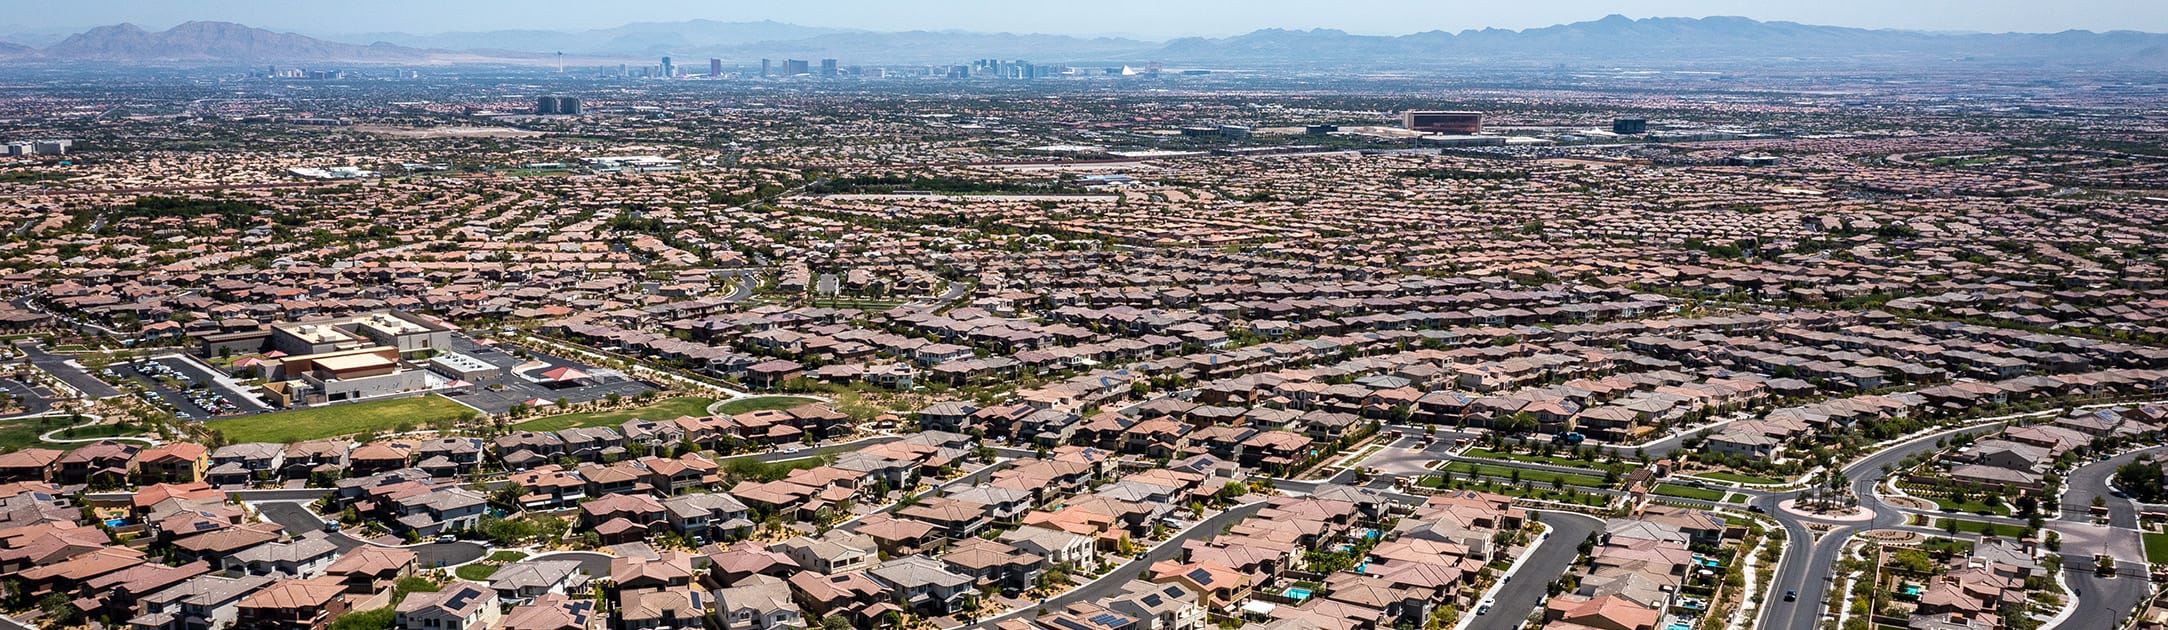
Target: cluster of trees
point(2141, 480)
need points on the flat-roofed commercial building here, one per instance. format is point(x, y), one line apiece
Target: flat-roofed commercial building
point(405, 332)
point(342, 375)
point(1461, 123)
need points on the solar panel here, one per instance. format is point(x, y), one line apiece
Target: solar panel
point(1201, 576)
point(1109, 619)
point(1071, 625)
point(1150, 600)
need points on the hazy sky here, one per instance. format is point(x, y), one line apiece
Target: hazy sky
point(1139, 18)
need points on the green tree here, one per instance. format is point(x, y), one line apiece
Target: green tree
point(366, 620)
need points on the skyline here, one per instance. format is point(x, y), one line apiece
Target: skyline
point(1113, 18)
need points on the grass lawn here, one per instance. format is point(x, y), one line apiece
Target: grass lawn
point(1974, 507)
point(1738, 478)
point(18, 433)
point(480, 571)
point(760, 403)
point(507, 555)
point(2156, 548)
point(340, 419)
point(477, 572)
point(664, 410)
point(1540, 492)
point(1734, 498)
point(1688, 492)
point(1984, 529)
point(1538, 477)
point(1533, 459)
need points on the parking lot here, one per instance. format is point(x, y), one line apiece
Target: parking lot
point(514, 387)
point(190, 390)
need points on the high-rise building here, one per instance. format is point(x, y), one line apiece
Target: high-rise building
point(715, 67)
point(1442, 122)
point(795, 67)
point(569, 105)
point(667, 69)
point(544, 106)
point(1629, 126)
point(828, 67)
point(764, 68)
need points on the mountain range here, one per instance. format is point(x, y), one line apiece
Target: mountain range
point(1613, 40)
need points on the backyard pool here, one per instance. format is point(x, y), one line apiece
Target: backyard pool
point(1296, 593)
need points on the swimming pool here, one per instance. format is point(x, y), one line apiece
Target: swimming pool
point(1296, 593)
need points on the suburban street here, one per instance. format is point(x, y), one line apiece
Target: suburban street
point(1808, 560)
point(297, 520)
point(2102, 601)
point(1112, 582)
point(1549, 560)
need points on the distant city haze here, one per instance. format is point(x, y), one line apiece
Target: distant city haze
point(1148, 19)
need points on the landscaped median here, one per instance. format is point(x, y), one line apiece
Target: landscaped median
point(398, 414)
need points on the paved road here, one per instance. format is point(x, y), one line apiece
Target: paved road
point(1112, 582)
point(58, 366)
point(803, 453)
point(2102, 601)
point(1546, 563)
point(2091, 480)
point(34, 402)
point(295, 517)
point(1808, 561)
point(596, 565)
point(742, 285)
point(217, 382)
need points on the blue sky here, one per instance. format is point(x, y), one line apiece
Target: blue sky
point(1154, 19)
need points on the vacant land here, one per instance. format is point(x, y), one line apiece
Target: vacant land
point(346, 419)
point(664, 410)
